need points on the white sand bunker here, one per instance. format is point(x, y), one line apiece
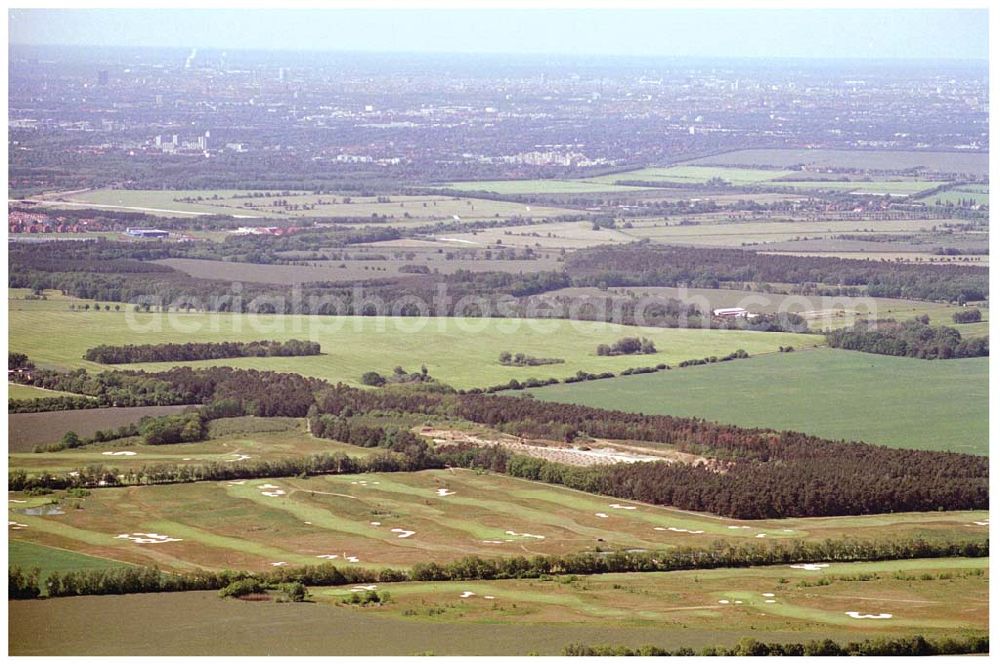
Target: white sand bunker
point(723, 601)
point(616, 506)
point(467, 593)
point(770, 601)
point(601, 515)
point(236, 483)
point(239, 457)
point(759, 535)
point(374, 523)
point(328, 556)
point(767, 594)
point(148, 538)
point(352, 559)
point(403, 534)
point(872, 616)
point(308, 523)
point(280, 563)
point(513, 534)
point(445, 492)
point(273, 494)
point(493, 541)
point(122, 453)
point(186, 459)
point(680, 530)
point(14, 525)
point(982, 523)
point(738, 527)
point(268, 486)
point(359, 588)
point(488, 597)
point(13, 500)
point(810, 567)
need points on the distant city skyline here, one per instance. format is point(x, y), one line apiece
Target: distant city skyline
point(716, 33)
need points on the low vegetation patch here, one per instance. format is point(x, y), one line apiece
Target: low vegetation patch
point(967, 316)
point(399, 376)
point(522, 360)
point(628, 346)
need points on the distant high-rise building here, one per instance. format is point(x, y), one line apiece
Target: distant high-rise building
point(102, 77)
point(159, 100)
point(282, 74)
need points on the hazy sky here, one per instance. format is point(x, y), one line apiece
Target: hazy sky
point(885, 33)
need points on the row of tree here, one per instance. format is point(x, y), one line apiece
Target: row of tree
point(903, 646)
point(129, 354)
point(658, 265)
point(99, 475)
point(119, 581)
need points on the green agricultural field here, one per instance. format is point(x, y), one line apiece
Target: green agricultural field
point(28, 556)
point(542, 187)
point(235, 203)
point(459, 351)
point(895, 401)
point(400, 519)
point(693, 175)
point(15, 391)
point(882, 160)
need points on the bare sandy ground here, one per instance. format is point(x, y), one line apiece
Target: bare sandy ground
point(597, 452)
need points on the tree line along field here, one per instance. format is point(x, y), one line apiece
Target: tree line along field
point(757, 232)
point(893, 256)
point(943, 162)
point(532, 616)
point(979, 194)
point(461, 352)
point(26, 555)
point(258, 439)
point(378, 520)
point(895, 401)
point(402, 208)
point(346, 270)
